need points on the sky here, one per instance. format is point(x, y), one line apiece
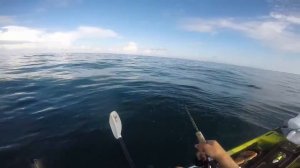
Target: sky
point(257, 33)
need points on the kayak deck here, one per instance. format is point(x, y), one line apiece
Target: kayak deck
point(272, 150)
point(266, 141)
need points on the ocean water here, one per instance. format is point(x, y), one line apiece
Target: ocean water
point(55, 107)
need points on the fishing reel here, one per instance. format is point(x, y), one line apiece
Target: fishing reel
point(207, 163)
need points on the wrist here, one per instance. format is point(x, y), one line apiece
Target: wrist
point(226, 161)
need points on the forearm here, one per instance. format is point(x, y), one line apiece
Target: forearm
point(226, 161)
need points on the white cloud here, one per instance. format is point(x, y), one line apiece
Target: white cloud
point(287, 18)
point(277, 30)
point(156, 52)
point(6, 20)
point(131, 47)
point(88, 31)
point(285, 6)
point(81, 39)
point(18, 37)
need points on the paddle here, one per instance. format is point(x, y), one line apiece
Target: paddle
point(116, 128)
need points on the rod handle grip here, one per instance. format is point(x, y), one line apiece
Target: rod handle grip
point(200, 137)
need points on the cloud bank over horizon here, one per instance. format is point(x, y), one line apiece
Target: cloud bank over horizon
point(276, 30)
point(28, 39)
point(19, 37)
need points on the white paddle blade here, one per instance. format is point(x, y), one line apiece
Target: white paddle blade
point(115, 124)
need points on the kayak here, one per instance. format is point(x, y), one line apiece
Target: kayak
point(270, 150)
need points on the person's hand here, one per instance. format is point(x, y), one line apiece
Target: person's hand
point(212, 149)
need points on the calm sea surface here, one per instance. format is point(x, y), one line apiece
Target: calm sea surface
point(55, 107)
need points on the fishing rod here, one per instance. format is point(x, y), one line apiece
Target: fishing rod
point(209, 163)
point(116, 128)
point(198, 133)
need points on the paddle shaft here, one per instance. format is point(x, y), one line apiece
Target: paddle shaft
point(126, 153)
